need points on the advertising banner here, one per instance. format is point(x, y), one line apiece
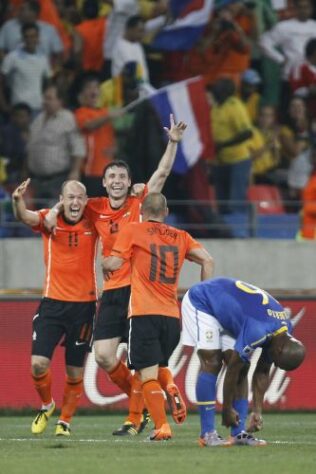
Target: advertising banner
point(287, 391)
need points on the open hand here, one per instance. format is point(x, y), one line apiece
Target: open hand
point(255, 422)
point(20, 190)
point(176, 130)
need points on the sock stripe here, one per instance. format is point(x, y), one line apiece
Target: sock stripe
point(211, 402)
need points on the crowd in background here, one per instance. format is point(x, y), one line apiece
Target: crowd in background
point(70, 69)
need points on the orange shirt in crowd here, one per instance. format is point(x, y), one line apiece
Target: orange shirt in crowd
point(49, 13)
point(92, 33)
point(69, 257)
point(99, 142)
point(156, 252)
point(222, 58)
point(108, 223)
point(309, 209)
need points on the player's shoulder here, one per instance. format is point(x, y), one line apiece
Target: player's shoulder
point(97, 204)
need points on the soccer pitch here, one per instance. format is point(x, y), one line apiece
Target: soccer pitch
point(93, 449)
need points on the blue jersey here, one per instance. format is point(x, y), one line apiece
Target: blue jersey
point(251, 315)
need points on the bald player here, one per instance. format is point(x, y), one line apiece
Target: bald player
point(155, 252)
point(227, 319)
point(68, 305)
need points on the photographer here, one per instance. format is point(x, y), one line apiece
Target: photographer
point(225, 49)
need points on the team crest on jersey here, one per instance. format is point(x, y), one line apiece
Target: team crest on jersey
point(209, 336)
point(113, 227)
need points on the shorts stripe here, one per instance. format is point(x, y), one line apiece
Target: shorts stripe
point(197, 324)
point(129, 342)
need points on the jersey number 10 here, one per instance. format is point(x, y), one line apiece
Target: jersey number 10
point(159, 254)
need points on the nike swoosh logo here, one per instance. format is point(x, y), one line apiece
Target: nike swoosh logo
point(103, 216)
point(80, 343)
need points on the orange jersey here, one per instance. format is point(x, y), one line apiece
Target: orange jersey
point(156, 252)
point(99, 142)
point(69, 257)
point(109, 222)
point(92, 32)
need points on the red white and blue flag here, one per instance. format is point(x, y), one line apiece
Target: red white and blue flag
point(190, 20)
point(187, 101)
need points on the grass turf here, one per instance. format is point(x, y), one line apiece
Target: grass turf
point(92, 449)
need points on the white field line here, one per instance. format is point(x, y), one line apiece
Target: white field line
point(89, 440)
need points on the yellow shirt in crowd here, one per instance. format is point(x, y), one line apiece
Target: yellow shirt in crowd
point(228, 120)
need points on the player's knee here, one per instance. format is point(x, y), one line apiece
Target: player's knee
point(105, 359)
point(39, 366)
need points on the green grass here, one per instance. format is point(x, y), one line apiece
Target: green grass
point(92, 449)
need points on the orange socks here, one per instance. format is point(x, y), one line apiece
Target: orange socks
point(43, 386)
point(122, 377)
point(155, 402)
point(72, 393)
point(136, 401)
point(165, 377)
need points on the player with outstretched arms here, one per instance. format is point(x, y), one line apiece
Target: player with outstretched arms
point(68, 305)
point(110, 215)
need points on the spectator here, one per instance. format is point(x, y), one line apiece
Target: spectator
point(55, 148)
point(13, 141)
point(231, 131)
point(129, 49)
point(96, 125)
point(225, 49)
point(285, 42)
point(295, 141)
point(250, 80)
point(308, 230)
point(91, 30)
point(265, 146)
point(24, 71)
point(121, 11)
point(303, 77)
point(11, 32)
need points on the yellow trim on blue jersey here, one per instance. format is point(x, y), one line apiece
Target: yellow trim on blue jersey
point(212, 402)
point(260, 340)
point(280, 330)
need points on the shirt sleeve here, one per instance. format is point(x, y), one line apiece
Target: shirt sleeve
point(40, 226)
point(7, 64)
point(240, 117)
point(269, 41)
point(191, 244)
point(124, 243)
point(76, 140)
point(55, 41)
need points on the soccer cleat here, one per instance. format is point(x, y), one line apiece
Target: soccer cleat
point(161, 434)
point(246, 439)
point(62, 429)
point(145, 421)
point(127, 429)
point(39, 423)
point(213, 439)
point(176, 403)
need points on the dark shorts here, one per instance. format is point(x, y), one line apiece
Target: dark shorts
point(66, 322)
point(151, 340)
point(112, 315)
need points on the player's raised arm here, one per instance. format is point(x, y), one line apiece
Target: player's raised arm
point(20, 211)
point(204, 259)
point(175, 133)
point(235, 369)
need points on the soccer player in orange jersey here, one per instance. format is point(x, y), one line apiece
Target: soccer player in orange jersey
point(155, 252)
point(69, 299)
point(110, 215)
